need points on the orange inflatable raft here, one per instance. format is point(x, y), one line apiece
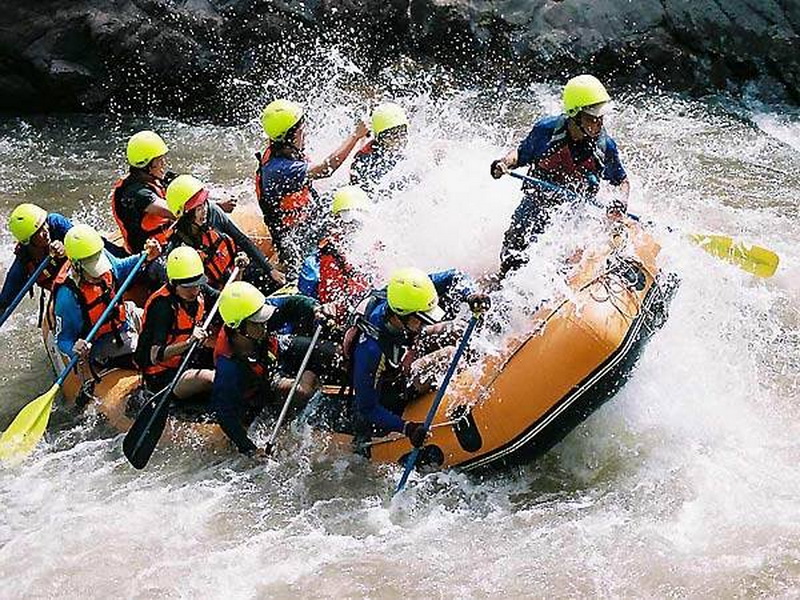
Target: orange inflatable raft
point(578, 351)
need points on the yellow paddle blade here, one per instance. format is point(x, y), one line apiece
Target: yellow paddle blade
point(753, 259)
point(27, 428)
point(288, 289)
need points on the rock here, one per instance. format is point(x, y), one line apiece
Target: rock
point(217, 58)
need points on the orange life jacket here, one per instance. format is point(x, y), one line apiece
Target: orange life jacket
point(183, 325)
point(559, 166)
point(217, 251)
point(148, 225)
point(93, 298)
point(366, 149)
point(31, 262)
point(289, 210)
point(257, 369)
point(338, 279)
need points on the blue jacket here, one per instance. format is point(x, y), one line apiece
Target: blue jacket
point(70, 324)
point(281, 176)
point(371, 365)
point(239, 392)
point(549, 135)
point(231, 382)
point(59, 225)
point(371, 164)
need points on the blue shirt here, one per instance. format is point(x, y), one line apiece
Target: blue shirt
point(539, 143)
point(279, 177)
point(229, 387)
point(70, 325)
point(238, 394)
point(371, 164)
point(370, 363)
point(16, 278)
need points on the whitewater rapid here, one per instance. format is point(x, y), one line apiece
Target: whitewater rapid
point(684, 485)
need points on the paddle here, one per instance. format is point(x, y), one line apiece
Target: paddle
point(28, 427)
point(412, 459)
point(757, 260)
point(557, 189)
point(142, 438)
point(28, 285)
point(271, 443)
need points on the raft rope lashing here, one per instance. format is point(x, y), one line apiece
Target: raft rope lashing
point(614, 287)
point(539, 328)
point(661, 293)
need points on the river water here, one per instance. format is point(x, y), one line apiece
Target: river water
point(685, 485)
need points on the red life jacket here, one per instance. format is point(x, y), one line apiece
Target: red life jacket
point(181, 329)
point(93, 298)
point(367, 148)
point(338, 279)
point(31, 262)
point(148, 226)
point(257, 369)
point(558, 165)
point(290, 210)
point(217, 251)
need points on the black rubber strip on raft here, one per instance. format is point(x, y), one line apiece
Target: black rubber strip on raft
point(466, 430)
point(585, 398)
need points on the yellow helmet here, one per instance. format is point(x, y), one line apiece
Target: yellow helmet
point(388, 116)
point(279, 117)
point(184, 264)
point(184, 193)
point(411, 291)
point(82, 242)
point(25, 220)
point(143, 147)
point(349, 197)
point(586, 93)
point(240, 301)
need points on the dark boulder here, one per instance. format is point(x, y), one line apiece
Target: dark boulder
point(217, 57)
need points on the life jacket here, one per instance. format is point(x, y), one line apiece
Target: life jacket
point(256, 369)
point(366, 149)
point(183, 325)
point(558, 164)
point(338, 279)
point(30, 263)
point(396, 351)
point(137, 231)
point(290, 210)
point(217, 251)
point(93, 298)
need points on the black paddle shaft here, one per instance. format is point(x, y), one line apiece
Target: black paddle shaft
point(141, 439)
point(143, 436)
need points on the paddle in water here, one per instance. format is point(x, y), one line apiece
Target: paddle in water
point(142, 438)
point(28, 285)
point(29, 426)
point(295, 384)
point(412, 459)
point(757, 260)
